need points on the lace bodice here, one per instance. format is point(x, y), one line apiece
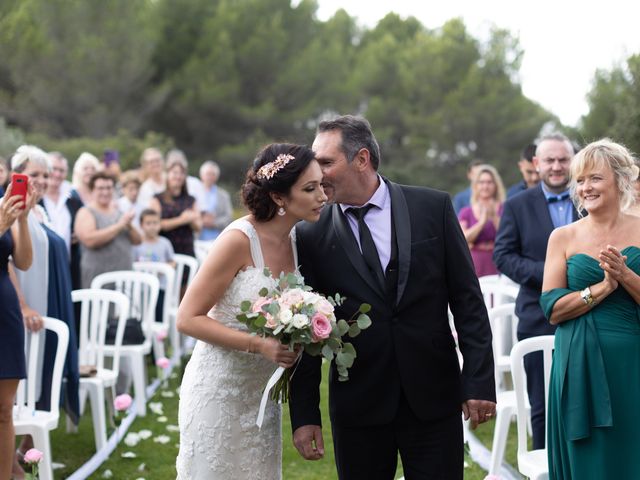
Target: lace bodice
point(221, 391)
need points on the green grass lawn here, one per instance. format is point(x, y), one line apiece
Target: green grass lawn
point(153, 458)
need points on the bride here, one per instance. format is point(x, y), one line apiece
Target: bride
point(223, 382)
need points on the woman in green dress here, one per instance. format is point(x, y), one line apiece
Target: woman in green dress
point(591, 290)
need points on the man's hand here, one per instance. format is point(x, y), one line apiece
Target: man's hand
point(479, 411)
point(308, 440)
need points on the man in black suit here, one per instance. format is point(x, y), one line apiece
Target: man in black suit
point(403, 253)
point(520, 250)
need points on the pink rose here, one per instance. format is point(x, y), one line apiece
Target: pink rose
point(33, 455)
point(321, 327)
point(161, 335)
point(259, 303)
point(324, 307)
point(122, 402)
point(163, 362)
point(291, 297)
point(492, 477)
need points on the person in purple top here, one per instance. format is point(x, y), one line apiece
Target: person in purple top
point(480, 220)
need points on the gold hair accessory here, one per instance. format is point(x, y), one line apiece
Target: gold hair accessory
point(268, 170)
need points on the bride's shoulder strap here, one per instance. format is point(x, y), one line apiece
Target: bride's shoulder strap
point(246, 227)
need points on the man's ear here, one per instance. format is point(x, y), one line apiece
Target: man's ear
point(536, 163)
point(362, 159)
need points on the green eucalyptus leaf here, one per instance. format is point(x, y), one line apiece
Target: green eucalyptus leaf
point(363, 321)
point(343, 326)
point(345, 359)
point(263, 292)
point(327, 352)
point(313, 349)
point(245, 306)
point(260, 321)
point(354, 330)
point(350, 349)
point(365, 308)
point(334, 343)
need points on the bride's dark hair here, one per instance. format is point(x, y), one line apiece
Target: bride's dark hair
point(275, 169)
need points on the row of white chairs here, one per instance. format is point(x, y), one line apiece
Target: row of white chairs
point(118, 296)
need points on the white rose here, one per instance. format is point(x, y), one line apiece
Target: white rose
point(310, 297)
point(300, 321)
point(285, 316)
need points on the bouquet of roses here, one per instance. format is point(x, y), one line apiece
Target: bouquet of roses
point(295, 315)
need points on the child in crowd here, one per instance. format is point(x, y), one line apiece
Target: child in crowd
point(154, 248)
point(130, 185)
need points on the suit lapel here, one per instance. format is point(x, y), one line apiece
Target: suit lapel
point(350, 245)
point(541, 210)
point(402, 224)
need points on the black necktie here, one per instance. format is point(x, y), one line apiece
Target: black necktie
point(369, 250)
point(558, 198)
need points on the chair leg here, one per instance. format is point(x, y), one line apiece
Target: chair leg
point(42, 443)
point(174, 338)
point(98, 414)
point(139, 384)
point(500, 434)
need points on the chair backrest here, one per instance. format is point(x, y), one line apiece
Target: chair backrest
point(504, 324)
point(165, 272)
point(28, 388)
point(182, 262)
point(498, 289)
point(97, 307)
point(140, 288)
point(201, 248)
point(542, 344)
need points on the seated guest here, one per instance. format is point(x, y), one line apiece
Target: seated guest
point(530, 177)
point(480, 220)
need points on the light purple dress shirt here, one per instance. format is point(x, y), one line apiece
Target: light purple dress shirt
point(378, 219)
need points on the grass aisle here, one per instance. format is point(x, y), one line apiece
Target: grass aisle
point(150, 449)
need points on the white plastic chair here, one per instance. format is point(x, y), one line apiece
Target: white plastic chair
point(191, 264)
point(165, 272)
point(96, 307)
point(531, 463)
point(497, 290)
point(202, 248)
point(142, 290)
point(503, 320)
point(26, 419)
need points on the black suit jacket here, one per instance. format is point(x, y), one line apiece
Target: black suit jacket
point(409, 346)
point(520, 251)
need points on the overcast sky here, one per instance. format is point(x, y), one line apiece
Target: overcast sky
point(564, 41)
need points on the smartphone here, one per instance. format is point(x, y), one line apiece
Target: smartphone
point(19, 183)
point(110, 156)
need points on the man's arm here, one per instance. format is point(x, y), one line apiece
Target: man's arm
point(507, 253)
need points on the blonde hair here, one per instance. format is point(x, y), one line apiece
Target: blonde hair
point(486, 168)
point(130, 176)
point(83, 160)
point(144, 174)
point(615, 156)
point(29, 154)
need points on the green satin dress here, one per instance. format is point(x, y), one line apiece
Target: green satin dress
point(593, 425)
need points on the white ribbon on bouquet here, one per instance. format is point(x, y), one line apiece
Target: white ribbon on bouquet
point(265, 395)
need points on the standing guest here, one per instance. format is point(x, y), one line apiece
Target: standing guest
point(521, 245)
point(105, 233)
point(530, 177)
point(130, 184)
point(154, 248)
point(111, 163)
point(4, 174)
point(481, 219)
point(45, 289)
point(61, 207)
point(15, 243)
point(216, 207)
point(401, 250)
point(591, 291)
point(180, 217)
point(634, 208)
point(153, 175)
point(463, 198)
point(194, 185)
point(84, 168)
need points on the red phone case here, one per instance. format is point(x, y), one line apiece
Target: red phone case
point(19, 184)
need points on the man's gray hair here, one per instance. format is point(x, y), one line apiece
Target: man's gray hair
point(29, 153)
point(210, 164)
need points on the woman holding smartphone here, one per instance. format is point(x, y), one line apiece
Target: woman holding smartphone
point(15, 242)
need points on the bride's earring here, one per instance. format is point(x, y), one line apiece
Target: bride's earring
point(281, 211)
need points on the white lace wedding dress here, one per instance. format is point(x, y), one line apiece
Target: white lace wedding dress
point(220, 394)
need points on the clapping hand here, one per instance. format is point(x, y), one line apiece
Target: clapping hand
point(614, 265)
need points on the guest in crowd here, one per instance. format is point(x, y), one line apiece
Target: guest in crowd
point(634, 208)
point(481, 219)
point(61, 207)
point(4, 174)
point(153, 175)
point(463, 198)
point(521, 245)
point(130, 185)
point(530, 177)
point(49, 273)
point(216, 207)
point(154, 248)
point(591, 291)
point(86, 165)
point(111, 163)
point(105, 233)
point(15, 243)
point(179, 215)
point(194, 185)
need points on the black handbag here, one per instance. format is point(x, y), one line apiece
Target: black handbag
point(133, 334)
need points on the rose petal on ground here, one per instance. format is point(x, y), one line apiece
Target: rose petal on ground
point(144, 434)
point(162, 439)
